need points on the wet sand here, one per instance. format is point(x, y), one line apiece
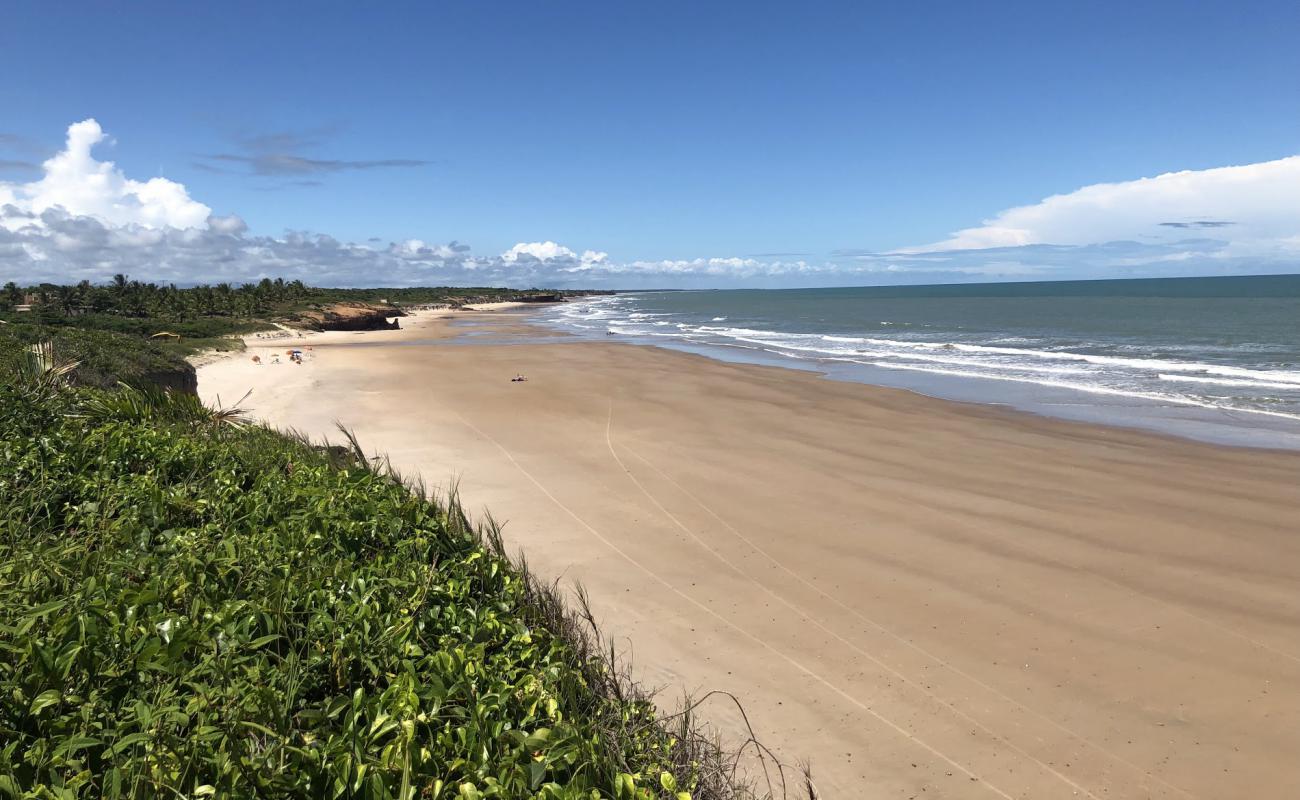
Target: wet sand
point(924, 598)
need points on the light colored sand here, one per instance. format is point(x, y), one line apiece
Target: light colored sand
point(924, 598)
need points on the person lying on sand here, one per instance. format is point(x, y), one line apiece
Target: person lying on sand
point(518, 378)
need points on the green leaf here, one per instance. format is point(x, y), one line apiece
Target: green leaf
point(128, 741)
point(113, 783)
point(75, 743)
point(45, 699)
point(262, 641)
point(45, 608)
point(259, 728)
point(537, 739)
point(536, 771)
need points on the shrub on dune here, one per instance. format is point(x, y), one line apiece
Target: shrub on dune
point(191, 607)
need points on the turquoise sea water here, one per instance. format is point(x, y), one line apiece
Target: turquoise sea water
point(1212, 358)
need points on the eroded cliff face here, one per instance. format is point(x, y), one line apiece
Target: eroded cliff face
point(350, 316)
point(181, 379)
point(474, 300)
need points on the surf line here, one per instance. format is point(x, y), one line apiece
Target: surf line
point(878, 626)
point(728, 623)
point(609, 442)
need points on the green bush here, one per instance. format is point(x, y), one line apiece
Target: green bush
point(104, 358)
point(143, 327)
point(189, 608)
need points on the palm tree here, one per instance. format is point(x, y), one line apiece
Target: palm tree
point(99, 299)
point(13, 294)
point(66, 297)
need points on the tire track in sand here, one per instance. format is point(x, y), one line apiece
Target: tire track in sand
point(900, 730)
point(1077, 787)
point(939, 660)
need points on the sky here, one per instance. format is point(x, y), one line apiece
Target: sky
point(638, 144)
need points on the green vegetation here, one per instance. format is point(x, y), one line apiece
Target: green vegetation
point(191, 607)
point(105, 359)
point(127, 306)
point(132, 299)
point(433, 295)
point(121, 331)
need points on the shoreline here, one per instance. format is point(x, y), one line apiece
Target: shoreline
point(979, 371)
point(519, 330)
point(885, 579)
point(1239, 438)
point(966, 391)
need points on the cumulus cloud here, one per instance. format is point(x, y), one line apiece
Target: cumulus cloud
point(555, 255)
point(419, 250)
point(1260, 202)
point(80, 185)
point(82, 218)
point(1221, 221)
point(539, 251)
point(232, 224)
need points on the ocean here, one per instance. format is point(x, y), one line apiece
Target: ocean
point(1216, 359)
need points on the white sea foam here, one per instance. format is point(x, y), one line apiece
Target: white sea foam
point(1151, 364)
point(1039, 359)
point(1157, 397)
point(1250, 384)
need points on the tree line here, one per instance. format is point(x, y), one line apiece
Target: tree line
point(132, 298)
point(125, 298)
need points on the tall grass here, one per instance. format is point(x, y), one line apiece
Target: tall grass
point(192, 607)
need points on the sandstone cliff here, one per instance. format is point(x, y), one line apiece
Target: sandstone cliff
point(349, 316)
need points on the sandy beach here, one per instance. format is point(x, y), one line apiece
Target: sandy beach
point(922, 598)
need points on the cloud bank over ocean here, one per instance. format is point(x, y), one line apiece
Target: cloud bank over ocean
point(85, 219)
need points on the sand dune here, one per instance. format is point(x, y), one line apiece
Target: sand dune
point(923, 598)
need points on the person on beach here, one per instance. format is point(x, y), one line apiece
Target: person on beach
point(518, 378)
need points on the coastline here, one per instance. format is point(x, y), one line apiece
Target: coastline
point(885, 579)
point(1215, 388)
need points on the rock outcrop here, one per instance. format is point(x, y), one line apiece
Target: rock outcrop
point(478, 300)
point(349, 316)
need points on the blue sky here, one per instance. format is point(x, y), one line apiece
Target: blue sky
point(696, 140)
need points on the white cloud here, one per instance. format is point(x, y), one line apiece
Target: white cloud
point(85, 219)
point(74, 181)
point(232, 224)
point(417, 249)
point(1252, 203)
point(542, 251)
point(555, 255)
